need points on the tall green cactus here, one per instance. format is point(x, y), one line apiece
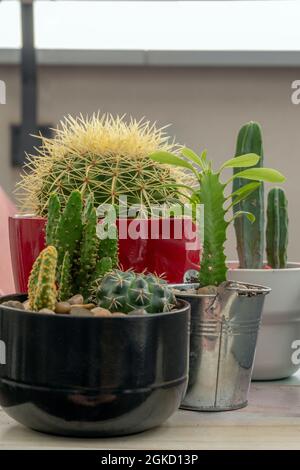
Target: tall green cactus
point(250, 236)
point(210, 193)
point(277, 228)
point(75, 237)
point(41, 284)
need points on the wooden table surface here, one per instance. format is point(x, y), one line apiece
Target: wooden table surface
point(271, 421)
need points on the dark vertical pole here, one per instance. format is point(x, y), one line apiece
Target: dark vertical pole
point(29, 80)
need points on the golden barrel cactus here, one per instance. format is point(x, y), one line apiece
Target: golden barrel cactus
point(104, 155)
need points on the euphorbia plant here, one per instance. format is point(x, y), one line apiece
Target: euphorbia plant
point(210, 192)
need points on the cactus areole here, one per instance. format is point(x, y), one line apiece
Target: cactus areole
point(209, 192)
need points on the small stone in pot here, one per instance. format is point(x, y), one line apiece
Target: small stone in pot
point(100, 312)
point(80, 312)
point(139, 311)
point(62, 307)
point(26, 305)
point(87, 306)
point(46, 310)
point(13, 304)
point(76, 300)
point(119, 314)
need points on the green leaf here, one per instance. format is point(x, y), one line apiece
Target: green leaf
point(171, 159)
point(260, 174)
point(242, 193)
point(191, 155)
point(204, 155)
point(243, 161)
point(249, 216)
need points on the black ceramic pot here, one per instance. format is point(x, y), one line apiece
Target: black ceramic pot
point(83, 376)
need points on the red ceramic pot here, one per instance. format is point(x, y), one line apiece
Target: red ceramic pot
point(161, 246)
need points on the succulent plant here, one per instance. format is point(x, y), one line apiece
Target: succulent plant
point(103, 155)
point(41, 285)
point(277, 229)
point(80, 255)
point(250, 236)
point(210, 192)
point(121, 291)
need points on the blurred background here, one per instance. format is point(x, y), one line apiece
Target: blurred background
point(206, 67)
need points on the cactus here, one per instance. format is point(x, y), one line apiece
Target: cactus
point(103, 155)
point(53, 219)
point(69, 229)
point(79, 255)
point(277, 228)
point(126, 291)
point(41, 285)
point(210, 193)
point(250, 236)
point(65, 285)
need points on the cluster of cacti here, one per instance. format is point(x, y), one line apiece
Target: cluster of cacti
point(210, 192)
point(277, 229)
point(81, 258)
point(250, 236)
point(126, 291)
point(42, 281)
point(104, 155)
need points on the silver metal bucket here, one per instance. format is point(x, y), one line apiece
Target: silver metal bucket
point(224, 329)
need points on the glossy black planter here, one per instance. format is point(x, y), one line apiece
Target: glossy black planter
point(82, 376)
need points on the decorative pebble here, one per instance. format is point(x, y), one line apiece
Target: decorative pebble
point(80, 312)
point(87, 306)
point(62, 307)
point(46, 310)
point(13, 304)
point(139, 311)
point(119, 314)
point(100, 312)
point(76, 300)
point(26, 305)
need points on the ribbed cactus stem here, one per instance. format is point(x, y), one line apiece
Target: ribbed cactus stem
point(65, 285)
point(213, 266)
point(42, 288)
point(88, 252)
point(69, 230)
point(53, 219)
point(277, 229)
point(250, 236)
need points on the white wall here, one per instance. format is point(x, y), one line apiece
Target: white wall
point(206, 107)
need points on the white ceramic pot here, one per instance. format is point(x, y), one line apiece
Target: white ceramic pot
point(276, 354)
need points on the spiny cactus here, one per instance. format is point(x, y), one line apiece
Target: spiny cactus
point(126, 291)
point(210, 193)
point(101, 154)
point(250, 236)
point(277, 228)
point(78, 246)
point(65, 284)
point(41, 285)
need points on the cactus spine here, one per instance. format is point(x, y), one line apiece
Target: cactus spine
point(277, 228)
point(79, 256)
point(41, 286)
point(250, 236)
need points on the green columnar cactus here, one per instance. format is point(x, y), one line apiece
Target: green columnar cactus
point(250, 236)
point(109, 247)
point(104, 155)
point(126, 291)
point(42, 289)
point(277, 228)
point(88, 253)
point(210, 193)
point(80, 258)
point(53, 219)
point(65, 285)
point(69, 229)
